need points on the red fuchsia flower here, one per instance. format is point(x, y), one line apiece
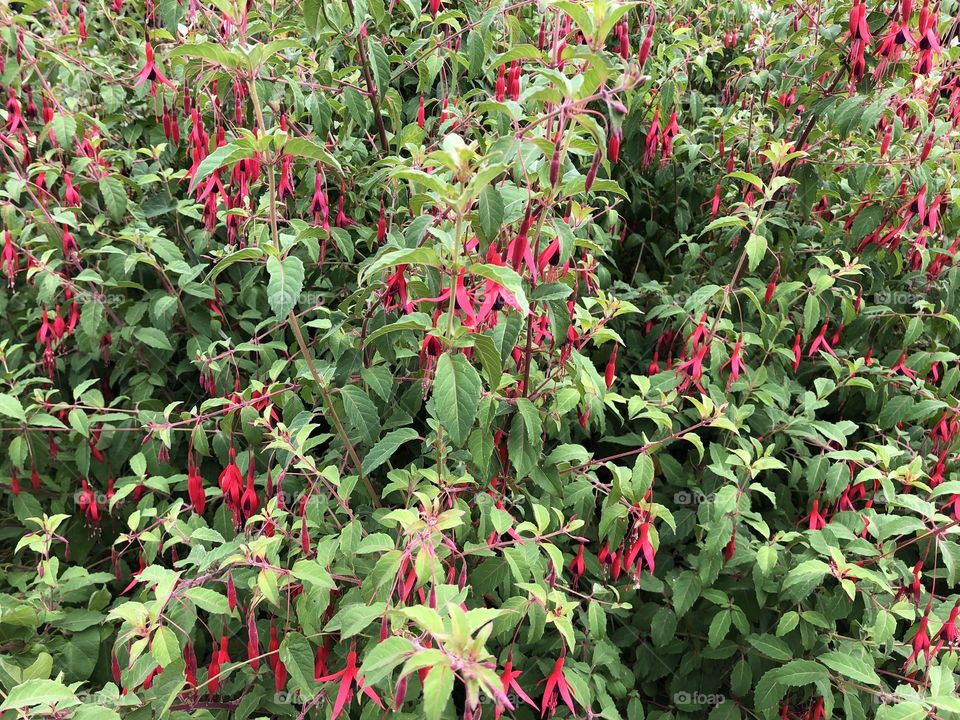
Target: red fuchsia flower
point(249, 502)
point(735, 363)
point(219, 658)
point(715, 203)
point(231, 593)
point(901, 368)
point(641, 550)
point(382, 225)
point(273, 648)
point(731, 546)
point(624, 38)
point(577, 565)
point(613, 147)
point(513, 81)
point(921, 642)
point(190, 666)
point(151, 72)
point(45, 333)
point(860, 39)
point(556, 688)
point(70, 194)
point(519, 252)
point(916, 588)
point(887, 137)
point(69, 244)
point(15, 119)
point(231, 482)
point(88, 503)
point(816, 519)
point(348, 684)
point(669, 133)
point(949, 634)
point(817, 712)
point(820, 343)
point(929, 41)
point(693, 367)
point(253, 641)
point(771, 287)
point(510, 685)
point(421, 114)
point(953, 505)
point(652, 142)
point(500, 88)
point(595, 165)
point(462, 298)
point(646, 44)
point(8, 258)
point(285, 188)
point(610, 373)
point(395, 295)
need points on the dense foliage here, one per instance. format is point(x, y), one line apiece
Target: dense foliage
point(477, 358)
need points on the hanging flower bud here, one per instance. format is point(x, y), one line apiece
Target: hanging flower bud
point(592, 172)
point(611, 369)
point(646, 44)
point(613, 144)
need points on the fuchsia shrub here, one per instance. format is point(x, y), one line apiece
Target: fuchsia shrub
point(580, 358)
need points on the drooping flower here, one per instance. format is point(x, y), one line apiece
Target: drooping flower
point(150, 71)
point(557, 688)
point(348, 684)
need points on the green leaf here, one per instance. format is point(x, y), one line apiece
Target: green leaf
point(686, 590)
point(456, 396)
point(11, 407)
point(361, 413)
point(489, 214)
point(903, 711)
point(850, 666)
point(38, 692)
point(304, 147)
point(756, 249)
point(165, 646)
point(297, 656)
point(249, 253)
point(386, 447)
point(383, 658)
point(747, 177)
point(771, 646)
point(437, 691)
point(209, 600)
point(64, 129)
point(285, 285)
point(490, 359)
point(114, 196)
point(153, 337)
point(354, 619)
point(213, 52)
